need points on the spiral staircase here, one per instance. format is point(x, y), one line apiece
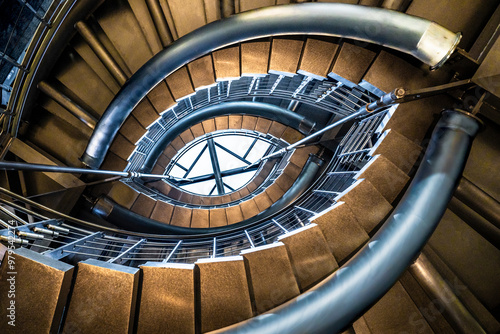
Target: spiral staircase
point(326, 237)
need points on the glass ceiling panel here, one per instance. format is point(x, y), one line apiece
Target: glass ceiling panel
point(233, 151)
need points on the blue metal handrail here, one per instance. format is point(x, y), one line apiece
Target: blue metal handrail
point(343, 296)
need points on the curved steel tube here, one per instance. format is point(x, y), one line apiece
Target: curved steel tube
point(270, 111)
point(125, 219)
point(344, 295)
point(423, 39)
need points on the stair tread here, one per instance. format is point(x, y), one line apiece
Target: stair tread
point(317, 57)
point(162, 212)
point(41, 290)
point(133, 48)
point(255, 57)
point(123, 194)
point(227, 63)
point(352, 62)
point(143, 205)
point(285, 55)
point(202, 71)
point(179, 83)
point(363, 195)
point(400, 150)
point(385, 176)
point(174, 312)
point(342, 231)
point(218, 217)
point(200, 219)
point(106, 293)
point(223, 293)
point(309, 254)
point(395, 312)
point(270, 276)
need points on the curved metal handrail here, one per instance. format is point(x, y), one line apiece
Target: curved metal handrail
point(344, 295)
point(421, 38)
point(270, 111)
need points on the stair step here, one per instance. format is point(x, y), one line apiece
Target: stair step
point(222, 123)
point(290, 135)
point(167, 301)
point(395, 312)
point(161, 98)
point(145, 113)
point(201, 71)
point(143, 205)
point(41, 288)
point(366, 203)
point(143, 17)
point(133, 49)
point(270, 276)
point(309, 254)
point(82, 85)
point(342, 231)
point(218, 217)
point(317, 58)
point(352, 62)
point(162, 212)
point(224, 298)
point(249, 208)
point(103, 298)
point(132, 130)
point(113, 162)
point(201, 218)
point(400, 150)
point(385, 176)
point(255, 57)
point(285, 56)
point(234, 214)
point(300, 156)
point(180, 84)
point(181, 216)
point(122, 147)
point(123, 194)
point(388, 72)
point(30, 154)
point(427, 307)
point(263, 201)
point(88, 55)
point(414, 119)
point(183, 19)
point(227, 63)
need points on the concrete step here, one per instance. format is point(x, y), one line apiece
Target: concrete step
point(270, 276)
point(34, 292)
point(385, 176)
point(224, 297)
point(342, 231)
point(103, 299)
point(366, 203)
point(309, 254)
point(174, 311)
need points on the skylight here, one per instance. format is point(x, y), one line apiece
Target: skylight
point(218, 163)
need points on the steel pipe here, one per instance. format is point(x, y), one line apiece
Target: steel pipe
point(348, 292)
point(425, 40)
point(438, 290)
point(101, 52)
point(479, 201)
point(68, 104)
point(127, 220)
point(7, 165)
